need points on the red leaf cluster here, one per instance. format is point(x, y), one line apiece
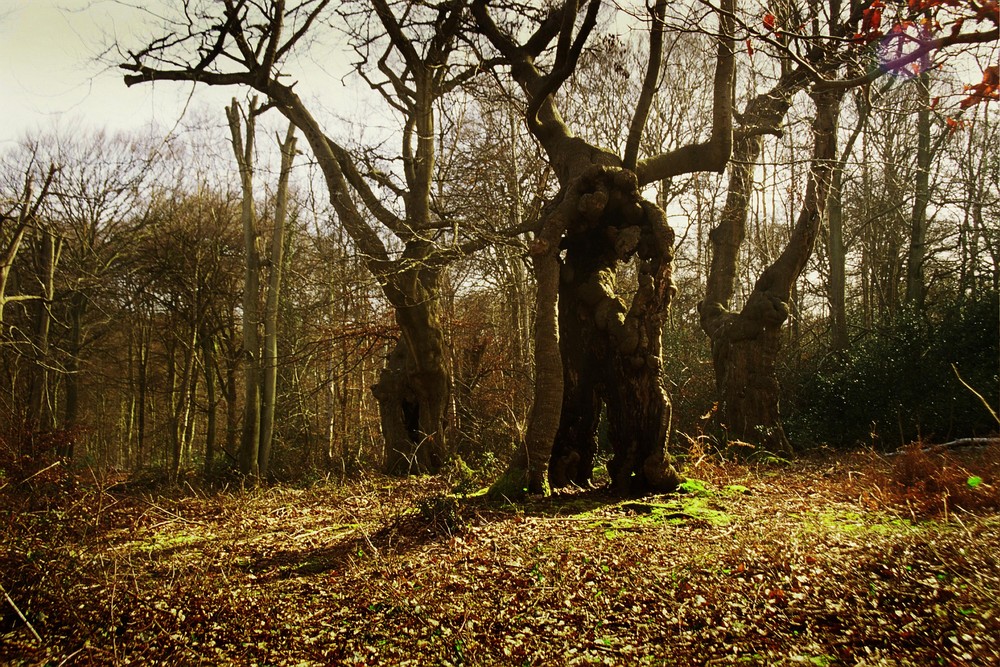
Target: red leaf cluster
point(954, 125)
point(871, 23)
point(871, 18)
point(984, 91)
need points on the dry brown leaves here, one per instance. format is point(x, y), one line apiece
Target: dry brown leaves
point(833, 562)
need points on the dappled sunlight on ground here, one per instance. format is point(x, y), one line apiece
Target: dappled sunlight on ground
point(820, 562)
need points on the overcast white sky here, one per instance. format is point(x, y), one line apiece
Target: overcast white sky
point(49, 76)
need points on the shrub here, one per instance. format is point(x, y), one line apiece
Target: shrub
point(897, 385)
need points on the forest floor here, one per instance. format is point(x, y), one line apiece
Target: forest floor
point(856, 560)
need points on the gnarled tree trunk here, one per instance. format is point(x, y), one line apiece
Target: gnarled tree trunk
point(610, 350)
point(745, 345)
point(414, 387)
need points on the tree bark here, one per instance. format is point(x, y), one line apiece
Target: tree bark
point(232, 396)
point(837, 253)
point(180, 407)
point(142, 381)
point(836, 248)
point(922, 193)
point(71, 409)
point(208, 356)
point(270, 355)
point(611, 350)
point(745, 345)
point(607, 353)
point(414, 388)
point(528, 468)
point(250, 443)
point(48, 257)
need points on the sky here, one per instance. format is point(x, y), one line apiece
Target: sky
point(50, 77)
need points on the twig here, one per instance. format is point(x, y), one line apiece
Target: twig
point(977, 394)
point(913, 529)
point(957, 518)
point(953, 444)
point(20, 615)
point(302, 536)
point(49, 467)
point(70, 657)
point(174, 517)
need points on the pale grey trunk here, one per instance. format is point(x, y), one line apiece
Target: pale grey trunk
point(837, 253)
point(71, 406)
point(918, 220)
point(48, 258)
point(250, 443)
point(270, 356)
point(836, 249)
point(181, 404)
point(142, 361)
point(529, 466)
point(208, 355)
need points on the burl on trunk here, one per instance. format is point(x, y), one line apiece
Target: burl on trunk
point(611, 350)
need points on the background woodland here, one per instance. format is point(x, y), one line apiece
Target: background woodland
point(139, 270)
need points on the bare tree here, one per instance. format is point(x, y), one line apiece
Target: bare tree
point(591, 348)
point(745, 344)
point(98, 209)
point(15, 217)
point(249, 44)
point(977, 194)
point(243, 149)
point(269, 380)
point(261, 375)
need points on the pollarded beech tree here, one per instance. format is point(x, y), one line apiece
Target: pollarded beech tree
point(593, 349)
point(810, 58)
point(408, 54)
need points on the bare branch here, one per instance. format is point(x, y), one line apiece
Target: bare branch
point(925, 48)
point(565, 64)
point(649, 84)
point(396, 36)
point(714, 154)
point(303, 29)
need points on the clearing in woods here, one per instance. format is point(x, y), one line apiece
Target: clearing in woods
point(851, 560)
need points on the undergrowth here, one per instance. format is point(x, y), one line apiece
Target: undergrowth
point(851, 560)
point(931, 483)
